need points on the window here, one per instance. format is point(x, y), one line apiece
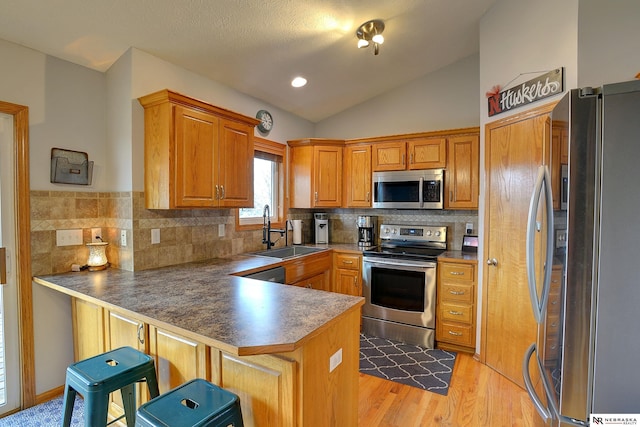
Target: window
point(268, 186)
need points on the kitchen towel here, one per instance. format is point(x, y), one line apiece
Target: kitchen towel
point(297, 231)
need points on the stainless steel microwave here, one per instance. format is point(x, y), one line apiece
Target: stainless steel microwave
point(417, 189)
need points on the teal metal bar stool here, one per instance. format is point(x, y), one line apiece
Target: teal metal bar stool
point(94, 378)
point(196, 403)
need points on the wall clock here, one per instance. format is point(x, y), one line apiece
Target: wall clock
point(266, 121)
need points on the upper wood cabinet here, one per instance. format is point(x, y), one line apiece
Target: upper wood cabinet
point(315, 168)
point(196, 155)
point(420, 153)
point(357, 176)
point(462, 181)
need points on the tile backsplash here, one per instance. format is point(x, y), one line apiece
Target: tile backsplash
point(185, 235)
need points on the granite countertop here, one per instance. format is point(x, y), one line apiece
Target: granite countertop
point(471, 257)
point(203, 301)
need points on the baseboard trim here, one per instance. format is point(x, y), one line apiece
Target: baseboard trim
point(48, 395)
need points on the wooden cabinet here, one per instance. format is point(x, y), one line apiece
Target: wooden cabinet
point(559, 158)
point(315, 168)
point(178, 359)
point(311, 271)
point(420, 153)
point(456, 305)
point(357, 176)
point(88, 329)
point(196, 155)
point(264, 384)
point(462, 177)
point(347, 273)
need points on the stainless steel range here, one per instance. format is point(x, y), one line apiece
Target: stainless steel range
point(399, 283)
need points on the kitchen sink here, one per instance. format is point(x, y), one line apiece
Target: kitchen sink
point(288, 252)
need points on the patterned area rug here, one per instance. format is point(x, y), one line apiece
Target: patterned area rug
point(47, 414)
point(407, 364)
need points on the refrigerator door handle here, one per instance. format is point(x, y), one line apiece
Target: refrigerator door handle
point(543, 183)
point(544, 412)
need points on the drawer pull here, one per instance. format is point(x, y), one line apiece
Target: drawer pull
point(347, 262)
point(456, 313)
point(456, 292)
point(457, 273)
point(455, 334)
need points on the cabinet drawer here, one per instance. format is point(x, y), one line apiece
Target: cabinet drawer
point(457, 271)
point(457, 292)
point(308, 266)
point(347, 261)
point(456, 334)
point(456, 312)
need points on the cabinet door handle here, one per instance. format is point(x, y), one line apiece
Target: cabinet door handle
point(308, 286)
point(368, 196)
point(455, 334)
point(217, 192)
point(456, 273)
point(455, 313)
point(316, 196)
point(222, 192)
point(140, 333)
point(411, 158)
point(456, 292)
point(451, 196)
point(403, 157)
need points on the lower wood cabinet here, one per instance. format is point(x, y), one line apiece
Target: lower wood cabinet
point(288, 389)
point(456, 305)
point(347, 273)
point(311, 271)
point(178, 359)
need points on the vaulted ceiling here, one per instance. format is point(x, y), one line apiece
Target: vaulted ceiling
point(258, 46)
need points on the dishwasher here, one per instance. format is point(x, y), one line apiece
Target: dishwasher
point(275, 275)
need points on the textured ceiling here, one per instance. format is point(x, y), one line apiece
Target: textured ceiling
point(257, 47)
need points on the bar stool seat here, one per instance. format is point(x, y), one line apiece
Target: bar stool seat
point(94, 378)
point(196, 403)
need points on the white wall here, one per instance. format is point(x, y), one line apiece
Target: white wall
point(608, 36)
point(444, 99)
point(516, 37)
point(66, 110)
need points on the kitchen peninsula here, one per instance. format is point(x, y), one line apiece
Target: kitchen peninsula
point(290, 353)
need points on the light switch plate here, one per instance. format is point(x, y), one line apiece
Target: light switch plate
point(69, 237)
point(155, 236)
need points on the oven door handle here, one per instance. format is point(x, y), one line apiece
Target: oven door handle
point(404, 265)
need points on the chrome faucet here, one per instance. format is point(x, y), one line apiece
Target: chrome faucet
point(266, 229)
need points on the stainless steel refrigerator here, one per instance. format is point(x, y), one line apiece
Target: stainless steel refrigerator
point(583, 259)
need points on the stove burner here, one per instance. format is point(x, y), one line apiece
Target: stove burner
point(418, 242)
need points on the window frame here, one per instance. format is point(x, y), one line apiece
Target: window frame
point(279, 214)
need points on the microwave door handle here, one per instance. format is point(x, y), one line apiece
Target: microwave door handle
point(420, 189)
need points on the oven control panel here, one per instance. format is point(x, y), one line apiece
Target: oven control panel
point(414, 233)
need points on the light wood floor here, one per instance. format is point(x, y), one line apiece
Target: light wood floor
point(478, 396)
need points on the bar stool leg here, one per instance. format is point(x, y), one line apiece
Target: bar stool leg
point(98, 406)
point(152, 384)
point(129, 403)
point(69, 401)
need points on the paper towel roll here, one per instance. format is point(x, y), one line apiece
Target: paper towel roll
point(297, 231)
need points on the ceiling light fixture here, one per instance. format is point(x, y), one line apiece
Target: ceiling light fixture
point(371, 32)
point(298, 82)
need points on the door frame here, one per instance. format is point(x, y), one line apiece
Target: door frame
point(22, 207)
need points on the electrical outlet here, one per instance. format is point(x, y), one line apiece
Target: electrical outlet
point(220, 230)
point(123, 238)
point(96, 235)
point(335, 360)
point(69, 237)
point(155, 236)
point(469, 228)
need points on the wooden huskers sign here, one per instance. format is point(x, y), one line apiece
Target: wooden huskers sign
point(530, 91)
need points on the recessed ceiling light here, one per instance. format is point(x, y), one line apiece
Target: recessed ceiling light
point(298, 82)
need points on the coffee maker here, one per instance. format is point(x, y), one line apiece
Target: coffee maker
point(321, 221)
point(366, 230)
